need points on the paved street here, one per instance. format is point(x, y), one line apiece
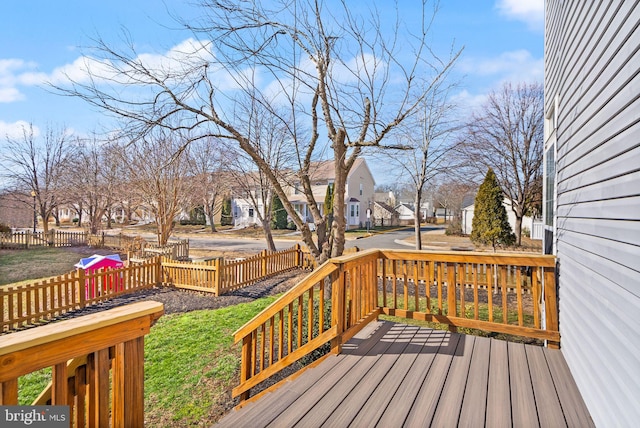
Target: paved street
point(390, 240)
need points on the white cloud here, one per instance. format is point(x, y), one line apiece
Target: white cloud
point(9, 95)
point(529, 11)
point(514, 66)
point(469, 100)
point(10, 70)
point(16, 129)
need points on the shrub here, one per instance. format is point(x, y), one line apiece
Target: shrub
point(4, 229)
point(454, 228)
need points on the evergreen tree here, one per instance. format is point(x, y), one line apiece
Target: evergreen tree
point(226, 219)
point(279, 215)
point(328, 205)
point(490, 222)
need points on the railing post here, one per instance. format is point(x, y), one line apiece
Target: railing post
point(217, 278)
point(159, 280)
point(338, 309)
point(82, 287)
point(299, 258)
point(246, 364)
point(451, 294)
point(9, 392)
point(263, 259)
point(128, 384)
point(551, 304)
point(98, 396)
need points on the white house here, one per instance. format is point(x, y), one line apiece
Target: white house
point(592, 197)
point(407, 215)
point(468, 212)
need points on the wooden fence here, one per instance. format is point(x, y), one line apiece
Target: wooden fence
point(31, 304)
point(26, 305)
point(139, 249)
point(97, 364)
point(219, 276)
point(178, 250)
point(53, 238)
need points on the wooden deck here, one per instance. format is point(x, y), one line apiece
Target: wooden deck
point(393, 375)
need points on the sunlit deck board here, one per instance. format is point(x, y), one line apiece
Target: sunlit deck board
point(399, 375)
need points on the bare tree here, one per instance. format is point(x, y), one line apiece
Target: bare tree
point(506, 134)
point(428, 138)
point(36, 166)
point(337, 72)
point(91, 180)
point(211, 185)
point(158, 173)
point(449, 194)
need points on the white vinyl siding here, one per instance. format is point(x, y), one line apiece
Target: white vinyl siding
point(592, 63)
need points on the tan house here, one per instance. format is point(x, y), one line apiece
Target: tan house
point(359, 194)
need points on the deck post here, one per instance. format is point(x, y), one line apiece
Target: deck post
point(247, 362)
point(128, 384)
point(551, 304)
point(9, 392)
point(338, 315)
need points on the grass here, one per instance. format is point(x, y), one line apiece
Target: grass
point(28, 265)
point(191, 363)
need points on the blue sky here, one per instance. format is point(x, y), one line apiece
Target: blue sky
point(502, 39)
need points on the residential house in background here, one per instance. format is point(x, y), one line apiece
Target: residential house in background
point(385, 197)
point(592, 197)
point(469, 208)
point(359, 195)
point(406, 212)
point(385, 215)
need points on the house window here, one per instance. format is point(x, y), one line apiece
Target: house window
point(250, 212)
point(360, 189)
point(548, 209)
point(549, 185)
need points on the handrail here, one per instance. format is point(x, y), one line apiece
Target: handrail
point(503, 293)
point(110, 339)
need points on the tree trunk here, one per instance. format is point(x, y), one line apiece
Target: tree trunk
point(266, 227)
point(518, 229)
point(416, 219)
point(56, 216)
point(212, 222)
point(339, 221)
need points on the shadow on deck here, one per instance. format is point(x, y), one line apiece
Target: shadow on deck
point(402, 375)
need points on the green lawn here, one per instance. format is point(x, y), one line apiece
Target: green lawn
point(28, 265)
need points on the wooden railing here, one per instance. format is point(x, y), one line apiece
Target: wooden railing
point(104, 384)
point(219, 276)
point(501, 293)
point(31, 304)
point(53, 238)
point(492, 292)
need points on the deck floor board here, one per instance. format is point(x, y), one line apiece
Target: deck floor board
point(393, 375)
